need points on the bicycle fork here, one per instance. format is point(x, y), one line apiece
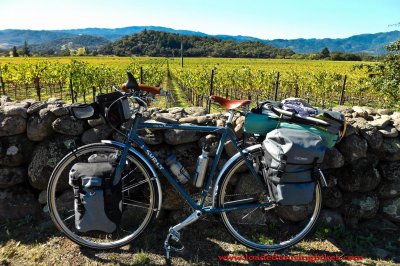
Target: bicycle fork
point(175, 235)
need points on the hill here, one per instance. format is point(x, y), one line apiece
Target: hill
point(59, 45)
point(372, 44)
point(157, 43)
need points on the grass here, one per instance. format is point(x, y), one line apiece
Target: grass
point(37, 242)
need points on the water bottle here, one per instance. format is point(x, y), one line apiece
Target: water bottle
point(177, 169)
point(201, 168)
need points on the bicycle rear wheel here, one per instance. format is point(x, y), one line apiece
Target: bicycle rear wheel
point(263, 228)
point(138, 199)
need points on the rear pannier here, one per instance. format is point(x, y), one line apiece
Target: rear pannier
point(97, 201)
point(291, 158)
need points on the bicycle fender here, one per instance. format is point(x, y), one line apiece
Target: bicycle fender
point(226, 167)
point(148, 164)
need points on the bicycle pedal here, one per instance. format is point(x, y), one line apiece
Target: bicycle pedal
point(175, 245)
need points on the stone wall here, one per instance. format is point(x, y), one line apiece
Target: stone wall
point(363, 171)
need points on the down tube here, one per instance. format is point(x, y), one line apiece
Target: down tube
point(165, 172)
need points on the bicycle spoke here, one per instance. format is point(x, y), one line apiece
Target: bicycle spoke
point(130, 203)
point(126, 188)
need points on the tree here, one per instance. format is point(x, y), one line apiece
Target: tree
point(14, 52)
point(26, 50)
point(385, 76)
point(81, 51)
point(325, 53)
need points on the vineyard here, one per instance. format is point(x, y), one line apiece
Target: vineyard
point(322, 83)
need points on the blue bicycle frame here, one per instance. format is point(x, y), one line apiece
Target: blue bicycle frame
point(226, 133)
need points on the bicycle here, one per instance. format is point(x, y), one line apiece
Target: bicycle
point(239, 193)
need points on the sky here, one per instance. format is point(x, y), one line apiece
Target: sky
point(266, 19)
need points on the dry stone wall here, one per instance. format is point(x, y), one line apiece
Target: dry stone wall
point(363, 170)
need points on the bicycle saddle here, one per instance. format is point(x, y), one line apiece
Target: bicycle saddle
point(229, 104)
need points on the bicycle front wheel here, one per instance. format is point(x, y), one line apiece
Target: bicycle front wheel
point(138, 199)
point(263, 228)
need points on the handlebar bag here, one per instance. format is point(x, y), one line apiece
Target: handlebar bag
point(114, 107)
point(291, 158)
point(97, 202)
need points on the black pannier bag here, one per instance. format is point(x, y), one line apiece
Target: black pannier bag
point(291, 158)
point(97, 202)
point(114, 108)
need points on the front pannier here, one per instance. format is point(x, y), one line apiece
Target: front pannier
point(291, 158)
point(97, 202)
point(114, 107)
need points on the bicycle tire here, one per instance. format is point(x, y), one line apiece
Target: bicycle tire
point(241, 224)
point(57, 183)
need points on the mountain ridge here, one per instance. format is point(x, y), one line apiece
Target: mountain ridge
point(368, 43)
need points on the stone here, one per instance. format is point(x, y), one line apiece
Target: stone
point(11, 125)
point(60, 111)
point(15, 110)
point(96, 122)
point(17, 202)
point(332, 159)
point(4, 99)
point(359, 206)
point(203, 119)
point(373, 137)
point(166, 118)
point(379, 224)
point(11, 176)
point(152, 137)
point(55, 100)
point(189, 119)
point(69, 125)
point(220, 123)
point(389, 132)
point(342, 109)
point(239, 127)
point(332, 197)
point(187, 155)
point(230, 149)
point(96, 134)
point(361, 175)
point(390, 150)
point(359, 123)
point(211, 141)
point(390, 171)
point(199, 120)
point(15, 150)
point(46, 156)
point(388, 190)
point(175, 110)
point(178, 136)
point(381, 122)
point(331, 219)
point(294, 213)
point(350, 130)
point(391, 209)
point(196, 110)
point(42, 199)
point(171, 201)
point(246, 184)
point(380, 253)
point(36, 107)
point(39, 126)
point(65, 202)
point(363, 114)
point(353, 148)
point(384, 111)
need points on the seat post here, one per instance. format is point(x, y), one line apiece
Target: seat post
point(230, 117)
